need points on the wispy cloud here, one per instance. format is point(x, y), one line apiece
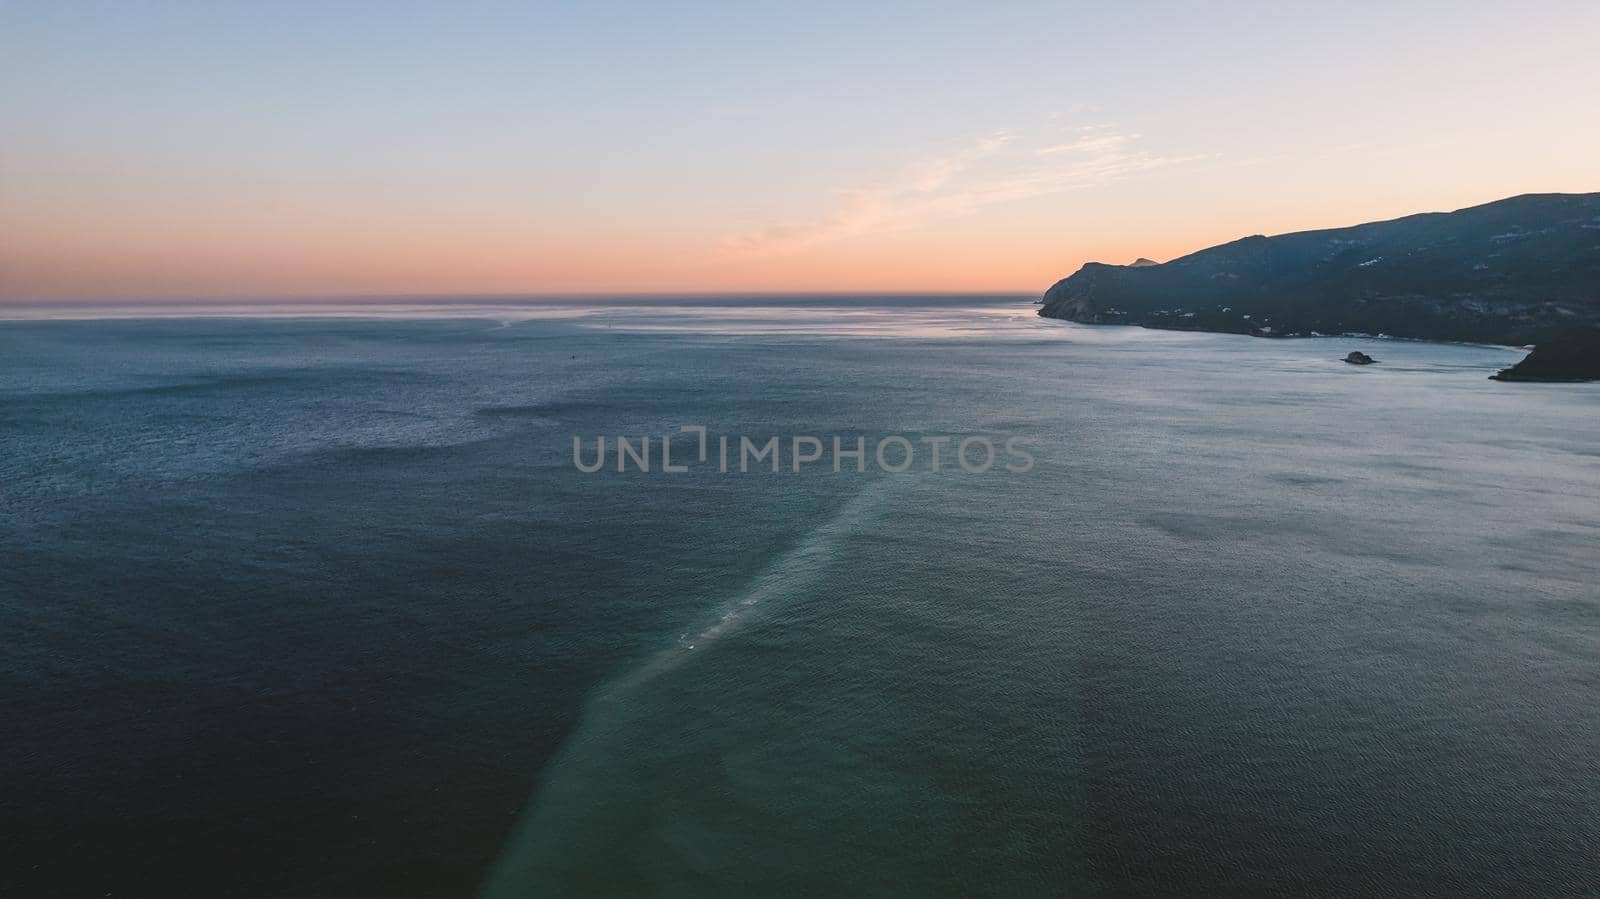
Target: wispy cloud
point(997, 168)
point(1092, 139)
point(932, 174)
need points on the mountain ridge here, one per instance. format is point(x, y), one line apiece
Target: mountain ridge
point(1512, 271)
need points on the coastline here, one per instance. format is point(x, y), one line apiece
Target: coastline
point(1349, 335)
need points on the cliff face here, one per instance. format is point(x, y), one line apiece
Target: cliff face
point(1572, 355)
point(1514, 271)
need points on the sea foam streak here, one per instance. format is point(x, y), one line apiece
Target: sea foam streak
point(568, 786)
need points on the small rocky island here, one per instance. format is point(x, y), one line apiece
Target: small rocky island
point(1569, 356)
point(1357, 357)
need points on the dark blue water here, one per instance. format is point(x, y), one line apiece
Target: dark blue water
point(321, 607)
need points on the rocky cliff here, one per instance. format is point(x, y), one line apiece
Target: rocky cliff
point(1514, 271)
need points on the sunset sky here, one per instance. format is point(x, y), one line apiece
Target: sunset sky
point(302, 149)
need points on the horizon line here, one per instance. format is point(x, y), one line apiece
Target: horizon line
point(469, 297)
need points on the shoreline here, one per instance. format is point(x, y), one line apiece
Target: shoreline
point(1349, 335)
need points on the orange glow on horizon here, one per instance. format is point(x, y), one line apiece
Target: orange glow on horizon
point(267, 259)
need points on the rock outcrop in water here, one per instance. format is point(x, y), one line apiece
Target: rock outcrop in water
point(1357, 357)
point(1514, 272)
point(1570, 356)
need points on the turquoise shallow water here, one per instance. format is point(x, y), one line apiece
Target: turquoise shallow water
point(324, 605)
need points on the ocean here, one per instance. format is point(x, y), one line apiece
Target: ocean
point(320, 605)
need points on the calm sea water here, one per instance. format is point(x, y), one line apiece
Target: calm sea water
point(300, 607)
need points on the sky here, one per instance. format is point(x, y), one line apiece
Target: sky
point(209, 150)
